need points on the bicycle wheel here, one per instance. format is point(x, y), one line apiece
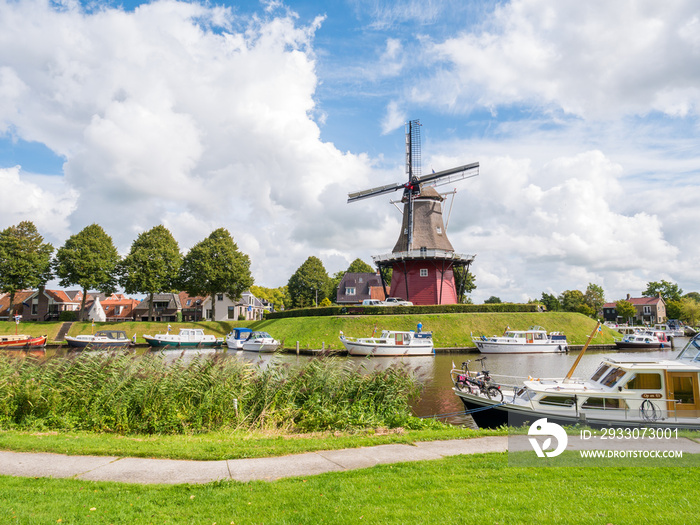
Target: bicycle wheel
point(494, 393)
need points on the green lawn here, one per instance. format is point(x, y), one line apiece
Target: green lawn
point(462, 489)
point(219, 445)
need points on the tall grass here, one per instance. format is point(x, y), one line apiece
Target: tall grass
point(123, 393)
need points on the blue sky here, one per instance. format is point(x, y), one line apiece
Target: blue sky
point(261, 116)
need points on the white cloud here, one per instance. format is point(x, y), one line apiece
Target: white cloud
point(168, 115)
point(594, 59)
point(27, 197)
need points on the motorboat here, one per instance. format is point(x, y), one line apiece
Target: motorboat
point(186, 338)
point(534, 340)
point(390, 343)
point(622, 392)
point(100, 340)
point(673, 328)
point(235, 339)
point(260, 342)
point(646, 340)
point(21, 341)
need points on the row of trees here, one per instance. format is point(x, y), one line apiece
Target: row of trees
point(154, 264)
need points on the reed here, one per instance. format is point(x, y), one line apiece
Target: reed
point(123, 393)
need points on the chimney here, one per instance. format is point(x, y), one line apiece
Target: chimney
point(628, 297)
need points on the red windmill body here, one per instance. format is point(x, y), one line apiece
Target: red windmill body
point(423, 261)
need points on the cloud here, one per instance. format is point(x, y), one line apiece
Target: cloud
point(27, 197)
point(592, 59)
point(169, 114)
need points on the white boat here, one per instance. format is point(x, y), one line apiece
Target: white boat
point(671, 329)
point(100, 340)
point(260, 342)
point(390, 343)
point(187, 338)
point(236, 338)
point(621, 393)
point(534, 340)
point(647, 340)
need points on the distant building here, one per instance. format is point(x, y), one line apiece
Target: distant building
point(119, 307)
point(356, 287)
point(166, 307)
point(649, 310)
point(246, 307)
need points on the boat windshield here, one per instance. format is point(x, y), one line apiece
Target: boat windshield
point(612, 377)
point(691, 352)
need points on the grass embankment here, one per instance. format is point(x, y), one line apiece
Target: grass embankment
point(453, 490)
point(449, 330)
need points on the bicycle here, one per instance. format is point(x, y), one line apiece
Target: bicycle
point(481, 383)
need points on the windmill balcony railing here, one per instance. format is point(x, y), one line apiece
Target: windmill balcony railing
point(422, 254)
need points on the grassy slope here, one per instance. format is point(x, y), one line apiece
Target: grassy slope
point(450, 330)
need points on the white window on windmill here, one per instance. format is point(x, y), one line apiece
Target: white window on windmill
point(350, 291)
point(439, 230)
point(424, 272)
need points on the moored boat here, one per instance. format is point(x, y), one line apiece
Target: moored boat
point(534, 340)
point(622, 392)
point(236, 338)
point(390, 343)
point(186, 338)
point(260, 342)
point(100, 340)
point(21, 341)
point(647, 340)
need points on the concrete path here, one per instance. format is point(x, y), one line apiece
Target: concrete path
point(141, 470)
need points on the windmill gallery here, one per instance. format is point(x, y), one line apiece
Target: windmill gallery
point(423, 261)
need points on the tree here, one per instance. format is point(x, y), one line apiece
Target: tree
point(690, 310)
point(309, 283)
point(469, 284)
point(625, 309)
point(360, 266)
point(669, 291)
point(674, 309)
point(550, 302)
point(215, 266)
point(88, 259)
point(25, 259)
point(152, 264)
point(493, 300)
point(594, 297)
point(277, 296)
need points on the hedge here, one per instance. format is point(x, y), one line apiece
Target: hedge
point(400, 310)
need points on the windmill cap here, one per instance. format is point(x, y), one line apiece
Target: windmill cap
point(429, 193)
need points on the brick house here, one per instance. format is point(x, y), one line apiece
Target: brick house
point(650, 310)
point(356, 287)
point(166, 307)
point(119, 307)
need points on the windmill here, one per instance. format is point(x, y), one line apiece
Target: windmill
point(422, 245)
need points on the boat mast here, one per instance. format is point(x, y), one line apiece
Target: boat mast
point(583, 351)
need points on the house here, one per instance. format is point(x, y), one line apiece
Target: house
point(41, 304)
point(650, 310)
point(192, 307)
point(356, 287)
point(166, 307)
point(119, 307)
point(246, 307)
